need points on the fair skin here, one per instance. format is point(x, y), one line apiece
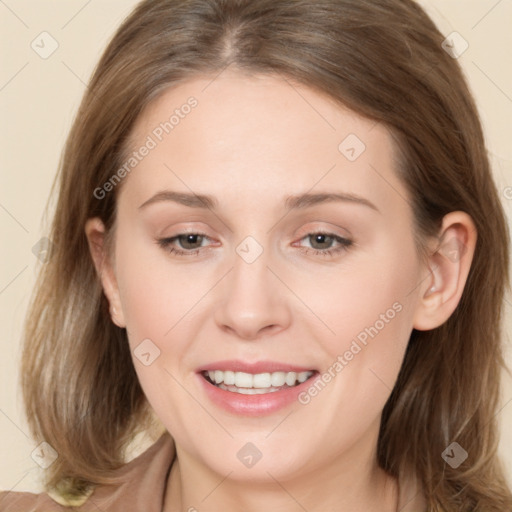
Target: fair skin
point(251, 142)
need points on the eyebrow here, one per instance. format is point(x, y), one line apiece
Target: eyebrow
point(291, 202)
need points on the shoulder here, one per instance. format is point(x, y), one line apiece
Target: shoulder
point(142, 482)
point(28, 502)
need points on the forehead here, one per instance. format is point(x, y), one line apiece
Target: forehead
point(259, 135)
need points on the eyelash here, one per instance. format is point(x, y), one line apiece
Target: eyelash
point(345, 244)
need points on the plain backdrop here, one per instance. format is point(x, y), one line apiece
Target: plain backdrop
point(39, 98)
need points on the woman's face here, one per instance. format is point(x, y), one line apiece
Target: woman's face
point(252, 289)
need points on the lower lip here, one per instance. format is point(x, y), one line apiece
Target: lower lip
point(254, 405)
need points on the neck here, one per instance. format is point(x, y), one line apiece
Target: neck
point(345, 484)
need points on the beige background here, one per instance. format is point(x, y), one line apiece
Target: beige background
point(39, 97)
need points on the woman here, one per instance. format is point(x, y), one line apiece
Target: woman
point(219, 146)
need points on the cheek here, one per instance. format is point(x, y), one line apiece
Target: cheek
point(156, 296)
point(369, 307)
point(155, 292)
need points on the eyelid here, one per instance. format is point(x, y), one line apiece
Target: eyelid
point(326, 228)
point(179, 229)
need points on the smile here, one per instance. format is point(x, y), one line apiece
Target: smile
point(255, 384)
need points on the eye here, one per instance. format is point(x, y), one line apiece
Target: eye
point(190, 242)
point(321, 243)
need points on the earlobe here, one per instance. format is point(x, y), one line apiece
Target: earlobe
point(449, 266)
point(95, 233)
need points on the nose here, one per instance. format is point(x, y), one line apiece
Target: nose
point(253, 302)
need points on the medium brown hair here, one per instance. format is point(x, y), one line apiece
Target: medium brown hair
point(381, 58)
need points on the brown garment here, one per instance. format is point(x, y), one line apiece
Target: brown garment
point(144, 481)
point(143, 487)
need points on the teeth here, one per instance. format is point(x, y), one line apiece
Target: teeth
point(261, 380)
point(278, 379)
point(243, 380)
point(229, 378)
point(257, 381)
point(291, 378)
point(304, 376)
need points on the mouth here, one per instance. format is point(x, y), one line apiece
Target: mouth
point(258, 383)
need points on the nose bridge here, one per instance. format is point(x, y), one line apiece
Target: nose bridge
point(254, 299)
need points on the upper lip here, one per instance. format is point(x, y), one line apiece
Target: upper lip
point(256, 367)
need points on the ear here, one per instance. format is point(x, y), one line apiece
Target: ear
point(95, 232)
point(449, 265)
